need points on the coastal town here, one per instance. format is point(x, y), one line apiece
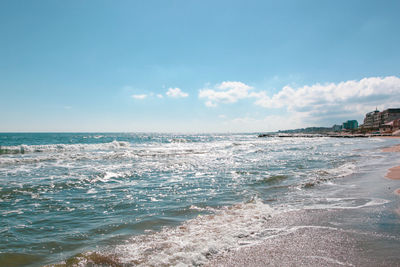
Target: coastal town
point(376, 123)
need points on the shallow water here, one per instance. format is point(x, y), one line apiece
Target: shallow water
point(155, 199)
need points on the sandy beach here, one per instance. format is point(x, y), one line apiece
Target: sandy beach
point(303, 246)
point(310, 239)
point(397, 191)
point(314, 240)
point(393, 173)
point(392, 149)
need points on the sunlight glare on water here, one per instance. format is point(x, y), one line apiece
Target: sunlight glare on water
point(63, 194)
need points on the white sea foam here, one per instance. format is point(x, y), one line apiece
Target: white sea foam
point(21, 149)
point(124, 180)
point(331, 260)
point(196, 240)
point(17, 211)
point(345, 203)
point(199, 239)
point(343, 170)
point(91, 191)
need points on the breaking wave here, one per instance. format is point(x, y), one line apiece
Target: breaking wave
point(22, 149)
point(192, 243)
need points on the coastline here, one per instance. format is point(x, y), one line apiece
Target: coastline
point(312, 203)
point(307, 242)
point(317, 238)
point(395, 148)
point(394, 172)
point(312, 238)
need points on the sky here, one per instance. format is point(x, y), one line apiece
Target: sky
point(195, 66)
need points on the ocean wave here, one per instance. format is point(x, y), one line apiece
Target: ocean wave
point(343, 170)
point(273, 179)
point(107, 151)
point(329, 174)
point(343, 203)
point(192, 243)
point(178, 140)
point(22, 149)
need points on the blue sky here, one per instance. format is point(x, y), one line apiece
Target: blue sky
point(195, 66)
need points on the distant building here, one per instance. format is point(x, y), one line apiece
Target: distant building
point(369, 119)
point(349, 125)
point(392, 125)
point(396, 124)
point(376, 119)
point(336, 128)
point(389, 115)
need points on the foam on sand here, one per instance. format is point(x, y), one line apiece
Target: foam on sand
point(192, 243)
point(231, 228)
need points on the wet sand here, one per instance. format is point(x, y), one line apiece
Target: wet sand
point(393, 173)
point(313, 238)
point(392, 149)
point(392, 136)
point(397, 191)
point(304, 247)
point(321, 238)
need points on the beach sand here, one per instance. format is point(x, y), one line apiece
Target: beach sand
point(397, 191)
point(308, 238)
point(391, 137)
point(392, 149)
point(313, 238)
point(393, 173)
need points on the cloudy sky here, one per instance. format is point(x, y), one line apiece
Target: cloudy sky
point(195, 66)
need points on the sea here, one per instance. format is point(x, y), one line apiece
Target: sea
point(154, 199)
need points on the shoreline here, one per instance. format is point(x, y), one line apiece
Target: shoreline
point(397, 191)
point(395, 148)
point(394, 172)
point(311, 231)
point(330, 135)
point(309, 238)
point(297, 211)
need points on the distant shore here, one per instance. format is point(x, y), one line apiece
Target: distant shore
point(332, 135)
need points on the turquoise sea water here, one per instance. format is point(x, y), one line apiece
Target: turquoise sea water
point(131, 198)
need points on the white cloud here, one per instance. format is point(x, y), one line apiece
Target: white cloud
point(310, 105)
point(140, 97)
point(225, 92)
point(344, 99)
point(159, 95)
point(176, 93)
